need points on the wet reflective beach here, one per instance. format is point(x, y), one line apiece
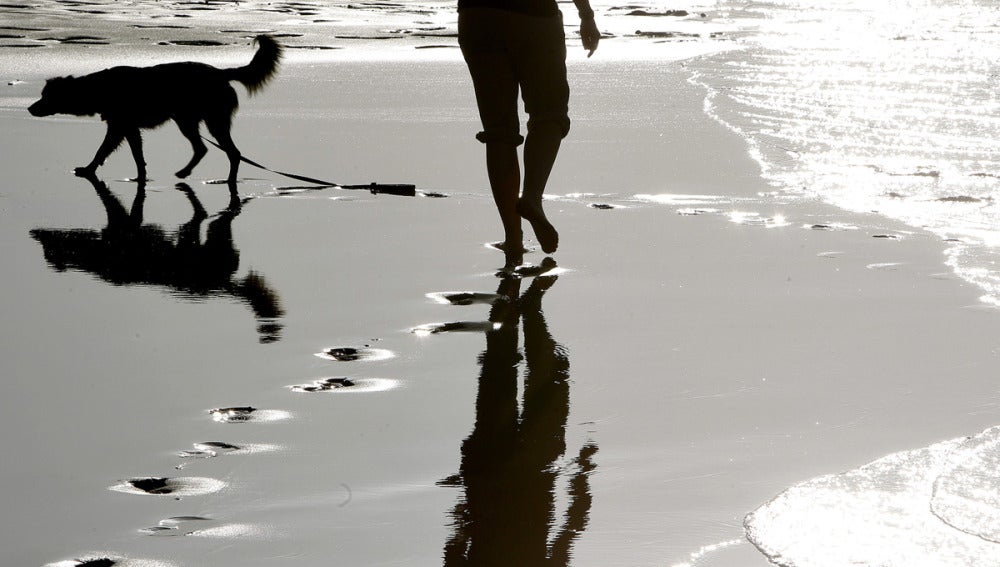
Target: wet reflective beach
point(284, 377)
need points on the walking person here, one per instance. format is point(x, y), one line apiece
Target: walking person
point(513, 46)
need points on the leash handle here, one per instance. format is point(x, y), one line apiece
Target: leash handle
point(401, 189)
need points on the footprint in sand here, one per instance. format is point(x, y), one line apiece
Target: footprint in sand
point(884, 266)
point(247, 414)
point(343, 384)
point(91, 562)
point(209, 449)
point(178, 526)
point(830, 227)
point(464, 297)
point(831, 254)
point(180, 486)
point(212, 449)
point(456, 327)
point(200, 526)
point(324, 385)
point(354, 354)
point(104, 560)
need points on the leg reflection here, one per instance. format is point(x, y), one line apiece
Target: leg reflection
point(509, 461)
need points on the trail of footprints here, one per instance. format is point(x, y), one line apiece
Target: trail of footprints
point(182, 486)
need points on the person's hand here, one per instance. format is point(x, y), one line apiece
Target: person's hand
point(590, 35)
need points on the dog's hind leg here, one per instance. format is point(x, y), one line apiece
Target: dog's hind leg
point(112, 140)
point(219, 128)
point(134, 138)
point(189, 128)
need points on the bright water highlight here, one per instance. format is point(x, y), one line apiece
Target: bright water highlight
point(887, 107)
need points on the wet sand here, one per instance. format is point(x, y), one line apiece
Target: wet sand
point(700, 348)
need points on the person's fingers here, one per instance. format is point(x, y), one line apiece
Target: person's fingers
point(590, 36)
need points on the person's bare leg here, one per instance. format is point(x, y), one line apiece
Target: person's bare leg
point(505, 181)
point(541, 147)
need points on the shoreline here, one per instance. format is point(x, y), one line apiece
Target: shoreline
point(716, 357)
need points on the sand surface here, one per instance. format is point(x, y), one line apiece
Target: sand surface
point(711, 358)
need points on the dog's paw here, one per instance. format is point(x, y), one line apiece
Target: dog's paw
point(183, 173)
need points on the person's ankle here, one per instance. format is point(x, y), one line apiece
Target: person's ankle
point(527, 207)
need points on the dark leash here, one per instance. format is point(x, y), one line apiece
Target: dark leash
point(401, 189)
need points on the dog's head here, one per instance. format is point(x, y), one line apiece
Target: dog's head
point(60, 95)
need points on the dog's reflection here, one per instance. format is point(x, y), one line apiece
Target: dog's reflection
point(129, 252)
point(511, 460)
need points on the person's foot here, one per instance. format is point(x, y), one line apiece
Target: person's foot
point(548, 237)
point(513, 253)
point(504, 246)
point(513, 258)
point(85, 172)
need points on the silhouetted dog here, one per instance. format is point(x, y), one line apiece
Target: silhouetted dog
point(131, 98)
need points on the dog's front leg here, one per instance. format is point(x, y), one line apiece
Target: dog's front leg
point(112, 140)
point(189, 127)
point(134, 138)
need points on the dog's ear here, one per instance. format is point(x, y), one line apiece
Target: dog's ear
point(55, 83)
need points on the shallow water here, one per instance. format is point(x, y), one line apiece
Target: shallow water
point(937, 505)
point(887, 108)
point(875, 106)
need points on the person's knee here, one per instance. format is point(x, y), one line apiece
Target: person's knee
point(557, 124)
point(500, 137)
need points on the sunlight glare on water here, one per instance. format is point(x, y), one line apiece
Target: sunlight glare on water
point(930, 506)
point(886, 106)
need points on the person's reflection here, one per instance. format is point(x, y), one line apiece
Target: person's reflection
point(510, 461)
point(129, 252)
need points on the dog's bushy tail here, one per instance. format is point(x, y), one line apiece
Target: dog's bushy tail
point(262, 67)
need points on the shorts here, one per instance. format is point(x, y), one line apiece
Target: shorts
point(507, 52)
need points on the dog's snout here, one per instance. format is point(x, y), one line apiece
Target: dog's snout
point(38, 109)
